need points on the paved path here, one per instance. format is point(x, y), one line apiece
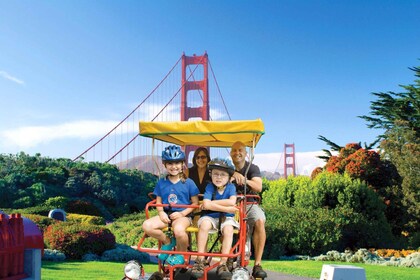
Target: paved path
point(271, 275)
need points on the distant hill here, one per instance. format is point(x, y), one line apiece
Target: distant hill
point(270, 175)
point(144, 163)
point(148, 164)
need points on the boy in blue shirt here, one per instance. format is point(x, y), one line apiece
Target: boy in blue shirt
point(220, 199)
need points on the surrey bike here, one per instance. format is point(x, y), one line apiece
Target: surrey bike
point(221, 134)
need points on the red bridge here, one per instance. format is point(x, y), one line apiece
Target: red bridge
point(191, 93)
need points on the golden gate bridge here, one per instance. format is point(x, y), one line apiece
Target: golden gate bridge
point(183, 94)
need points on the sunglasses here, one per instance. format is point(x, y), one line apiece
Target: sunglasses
point(201, 157)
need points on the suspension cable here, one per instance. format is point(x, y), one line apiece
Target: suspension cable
point(147, 97)
point(218, 90)
point(166, 105)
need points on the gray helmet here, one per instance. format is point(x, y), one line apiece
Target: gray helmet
point(173, 154)
point(222, 164)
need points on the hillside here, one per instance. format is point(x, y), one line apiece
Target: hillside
point(147, 163)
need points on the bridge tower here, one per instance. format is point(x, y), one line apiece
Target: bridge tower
point(289, 160)
point(202, 111)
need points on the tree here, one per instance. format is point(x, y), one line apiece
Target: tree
point(402, 147)
point(33, 181)
point(337, 148)
point(391, 108)
point(398, 114)
point(379, 174)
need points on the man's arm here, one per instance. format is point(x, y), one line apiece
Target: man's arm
point(255, 183)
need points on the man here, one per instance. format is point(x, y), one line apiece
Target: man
point(255, 214)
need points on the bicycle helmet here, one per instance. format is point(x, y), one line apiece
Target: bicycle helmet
point(172, 154)
point(222, 164)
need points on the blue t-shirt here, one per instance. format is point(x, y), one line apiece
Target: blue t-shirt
point(178, 193)
point(211, 189)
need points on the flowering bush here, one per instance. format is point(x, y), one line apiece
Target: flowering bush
point(86, 219)
point(372, 257)
point(41, 221)
point(75, 240)
point(387, 253)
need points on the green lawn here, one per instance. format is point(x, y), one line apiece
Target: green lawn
point(313, 269)
point(114, 270)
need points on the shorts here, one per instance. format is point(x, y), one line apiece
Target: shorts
point(215, 222)
point(254, 213)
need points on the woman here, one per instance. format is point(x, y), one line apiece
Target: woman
point(199, 172)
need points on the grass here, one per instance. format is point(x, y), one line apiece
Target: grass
point(313, 269)
point(114, 270)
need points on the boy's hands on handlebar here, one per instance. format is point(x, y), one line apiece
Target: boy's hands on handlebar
point(231, 209)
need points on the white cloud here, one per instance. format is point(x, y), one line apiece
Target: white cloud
point(170, 112)
point(274, 162)
point(148, 112)
point(31, 136)
point(9, 77)
point(216, 114)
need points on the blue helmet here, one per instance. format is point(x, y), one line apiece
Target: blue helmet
point(172, 154)
point(222, 164)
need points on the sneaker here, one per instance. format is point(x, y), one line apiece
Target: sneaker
point(197, 270)
point(156, 276)
point(258, 272)
point(167, 247)
point(229, 264)
point(175, 259)
point(223, 272)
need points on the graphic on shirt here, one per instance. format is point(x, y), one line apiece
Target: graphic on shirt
point(172, 198)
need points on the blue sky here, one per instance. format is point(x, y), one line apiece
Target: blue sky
point(306, 68)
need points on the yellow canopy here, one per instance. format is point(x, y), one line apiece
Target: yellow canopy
point(205, 133)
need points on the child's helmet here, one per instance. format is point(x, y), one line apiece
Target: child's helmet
point(172, 154)
point(222, 164)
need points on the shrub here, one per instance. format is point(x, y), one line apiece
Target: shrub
point(82, 207)
point(387, 253)
point(283, 191)
point(91, 257)
point(363, 209)
point(124, 253)
point(41, 221)
point(75, 240)
point(412, 260)
point(303, 231)
point(53, 255)
point(86, 219)
point(56, 202)
point(370, 257)
point(39, 210)
point(127, 229)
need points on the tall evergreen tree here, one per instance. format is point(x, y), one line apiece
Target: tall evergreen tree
point(392, 107)
point(398, 114)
